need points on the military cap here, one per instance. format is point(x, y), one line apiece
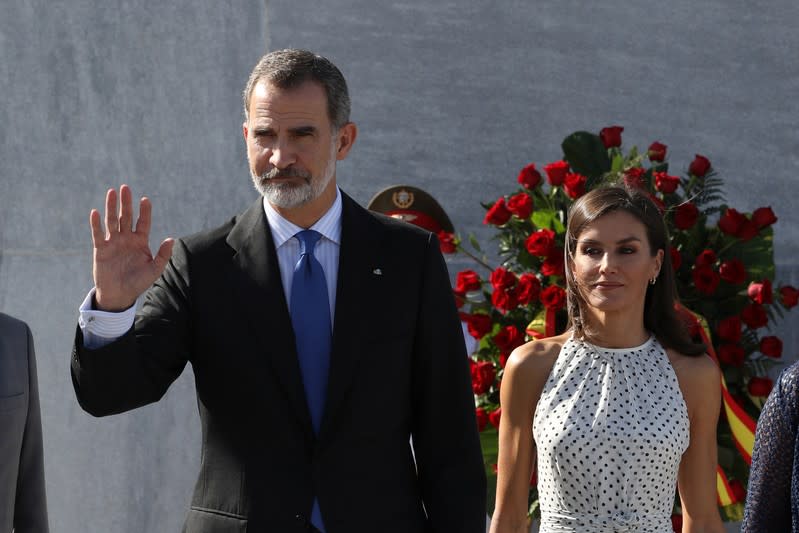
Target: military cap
point(413, 205)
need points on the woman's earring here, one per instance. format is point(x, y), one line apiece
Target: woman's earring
point(653, 280)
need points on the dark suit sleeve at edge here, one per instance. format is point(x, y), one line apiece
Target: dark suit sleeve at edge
point(30, 511)
point(768, 500)
point(445, 436)
point(138, 368)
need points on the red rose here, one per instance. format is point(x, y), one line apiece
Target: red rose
point(521, 205)
point(529, 177)
point(686, 215)
point(760, 292)
point(482, 418)
point(540, 242)
point(676, 523)
point(528, 289)
point(705, 279)
point(763, 216)
point(553, 265)
point(747, 231)
point(706, 258)
point(789, 296)
point(497, 214)
point(665, 183)
point(658, 202)
point(574, 185)
point(657, 151)
point(508, 338)
point(676, 258)
point(556, 172)
point(731, 222)
point(502, 279)
point(760, 386)
point(446, 242)
point(467, 281)
point(699, 166)
point(483, 374)
point(553, 297)
point(754, 316)
point(611, 136)
point(729, 329)
point(731, 354)
point(504, 299)
point(634, 177)
point(771, 346)
point(733, 271)
point(478, 324)
point(495, 417)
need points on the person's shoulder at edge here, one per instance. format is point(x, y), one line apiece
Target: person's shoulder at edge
point(11, 320)
point(789, 380)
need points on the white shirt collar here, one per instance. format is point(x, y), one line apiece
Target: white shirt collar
point(329, 225)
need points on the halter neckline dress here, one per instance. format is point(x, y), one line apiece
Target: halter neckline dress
point(610, 429)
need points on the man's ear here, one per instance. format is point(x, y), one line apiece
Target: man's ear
point(244, 130)
point(346, 138)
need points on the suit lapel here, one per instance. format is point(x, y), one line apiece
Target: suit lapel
point(259, 290)
point(360, 242)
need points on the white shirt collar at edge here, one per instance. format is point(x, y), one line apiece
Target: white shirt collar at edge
point(283, 230)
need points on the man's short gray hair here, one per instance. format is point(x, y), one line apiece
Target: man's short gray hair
point(290, 68)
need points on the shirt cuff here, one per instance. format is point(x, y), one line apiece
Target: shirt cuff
point(103, 327)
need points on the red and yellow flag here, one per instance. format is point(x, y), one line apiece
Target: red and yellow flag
point(741, 424)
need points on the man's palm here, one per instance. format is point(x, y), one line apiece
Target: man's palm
point(123, 265)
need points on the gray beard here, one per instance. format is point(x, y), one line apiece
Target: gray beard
point(288, 195)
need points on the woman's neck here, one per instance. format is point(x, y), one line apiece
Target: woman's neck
point(615, 330)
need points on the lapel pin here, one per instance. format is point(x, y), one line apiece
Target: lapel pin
point(377, 272)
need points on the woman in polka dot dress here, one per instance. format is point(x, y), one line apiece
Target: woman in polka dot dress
point(621, 407)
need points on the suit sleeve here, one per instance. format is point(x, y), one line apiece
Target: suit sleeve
point(768, 500)
point(445, 436)
point(30, 508)
point(138, 368)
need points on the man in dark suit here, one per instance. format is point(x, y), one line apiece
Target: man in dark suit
point(304, 428)
point(23, 506)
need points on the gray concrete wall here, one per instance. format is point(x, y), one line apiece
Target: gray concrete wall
point(451, 96)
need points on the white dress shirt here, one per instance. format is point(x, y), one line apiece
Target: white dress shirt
point(101, 327)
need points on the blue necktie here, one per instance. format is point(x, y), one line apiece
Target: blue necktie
point(310, 317)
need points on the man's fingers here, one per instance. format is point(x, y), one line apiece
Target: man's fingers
point(145, 212)
point(164, 253)
point(125, 209)
point(111, 220)
point(98, 236)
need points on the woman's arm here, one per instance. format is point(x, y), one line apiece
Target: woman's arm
point(526, 372)
point(768, 501)
point(700, 380)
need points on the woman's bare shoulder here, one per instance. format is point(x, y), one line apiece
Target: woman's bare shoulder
point(699, 378)
point(537, 355)
point(694, 371)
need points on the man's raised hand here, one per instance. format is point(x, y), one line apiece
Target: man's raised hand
point(123, 265)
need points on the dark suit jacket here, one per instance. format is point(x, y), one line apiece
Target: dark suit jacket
point(22, 497)
point(398, 368)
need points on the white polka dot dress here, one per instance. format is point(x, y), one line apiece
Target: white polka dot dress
point(610, 429)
